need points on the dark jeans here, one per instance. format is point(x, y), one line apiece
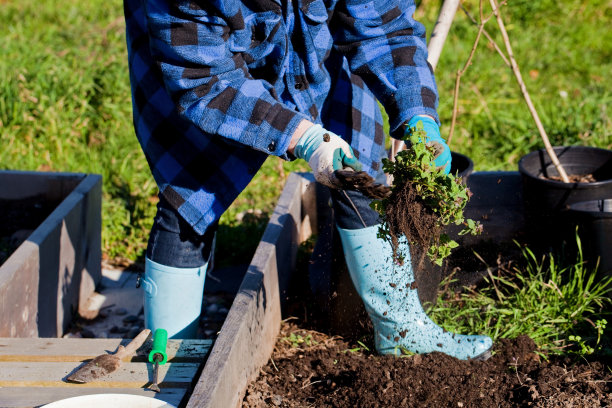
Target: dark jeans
point(173, 242)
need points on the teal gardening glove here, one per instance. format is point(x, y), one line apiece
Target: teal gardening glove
point(325, 152)
point(433, 138)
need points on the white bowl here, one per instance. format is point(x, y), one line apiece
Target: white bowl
point(109, 400)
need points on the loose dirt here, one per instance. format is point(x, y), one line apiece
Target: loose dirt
point(575, 178)
point(311, 369)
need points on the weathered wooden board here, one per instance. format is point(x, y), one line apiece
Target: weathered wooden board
point(54, 271)
point(33, 370)
point(75, 350)
point(248, 335)
point(128, 375)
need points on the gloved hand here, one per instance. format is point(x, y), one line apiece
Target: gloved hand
point(433, 138)
point(325, 152)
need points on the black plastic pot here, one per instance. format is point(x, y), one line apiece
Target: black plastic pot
point(461, 165)
point(594, 221)
point(428, 276)
point(547, 201)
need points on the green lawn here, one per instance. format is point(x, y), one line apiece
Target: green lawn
point(65, 102)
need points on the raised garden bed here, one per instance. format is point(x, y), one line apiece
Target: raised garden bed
point(50, 231)
point(50, 240)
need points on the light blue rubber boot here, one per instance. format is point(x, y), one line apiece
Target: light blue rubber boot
point(391, 299)
point(173, 299)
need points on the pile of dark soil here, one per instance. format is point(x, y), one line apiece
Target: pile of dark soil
point(310, 369)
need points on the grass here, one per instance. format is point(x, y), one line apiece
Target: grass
point(65, 103)
point(562, 308)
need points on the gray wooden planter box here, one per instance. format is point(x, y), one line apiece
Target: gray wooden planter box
point(50, 275)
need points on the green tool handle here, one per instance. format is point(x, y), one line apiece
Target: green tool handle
point(160, 340)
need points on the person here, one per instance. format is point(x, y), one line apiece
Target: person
point(219, 85)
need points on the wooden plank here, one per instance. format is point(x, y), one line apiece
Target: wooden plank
point(75, 350)
point(248, 335)
point(128, 375)
point(17, 397)
point(19, 308)
point(54, 186)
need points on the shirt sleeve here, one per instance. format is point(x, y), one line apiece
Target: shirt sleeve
point(387, 48)
point(204, 73)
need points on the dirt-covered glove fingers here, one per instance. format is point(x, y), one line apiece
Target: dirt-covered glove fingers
point(442, 152)
point(342, 160)
point(325, 152)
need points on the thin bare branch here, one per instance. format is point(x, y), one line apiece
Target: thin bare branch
point(488, 36)
point(460, 73)
point(519, 79)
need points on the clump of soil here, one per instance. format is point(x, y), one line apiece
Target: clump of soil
point(406, 214)
point(324, 372)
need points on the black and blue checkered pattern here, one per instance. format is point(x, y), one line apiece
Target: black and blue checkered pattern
point(218, 85)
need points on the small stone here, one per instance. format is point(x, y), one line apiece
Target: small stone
point(120, 311)
point(212, 308)
point(460, 404)
point(277, 400)
point(223, 310)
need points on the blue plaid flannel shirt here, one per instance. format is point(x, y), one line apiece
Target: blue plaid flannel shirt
point(219, 85)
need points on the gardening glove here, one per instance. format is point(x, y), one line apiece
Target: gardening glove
point(325, 152)
point(442, 152)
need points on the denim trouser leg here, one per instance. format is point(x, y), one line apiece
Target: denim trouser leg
point(352, 210)
point(173, 242)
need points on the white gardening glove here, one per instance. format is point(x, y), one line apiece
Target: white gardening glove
point(325, 152)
